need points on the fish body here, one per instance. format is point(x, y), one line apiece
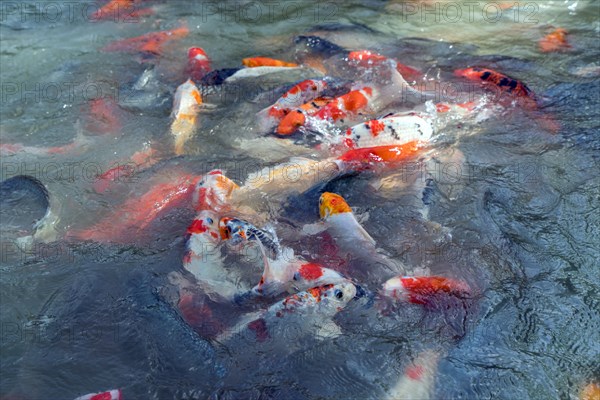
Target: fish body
point(554, 41)
point(296, 96)
point(306, 313)
point(333, 110)
point(498, 81)
point(108, 395)
point(368, 59)
point(253, 62)
point(130, 222)
point(590, 392)
point(203, 258)
point(121, 10)
point(418, 379)
point(186, 105)
point(283, 270)
point(198, 64)
point(422, 289)
point(379, 157)
point(151, 43)
point(214, 191)
point(393, 129)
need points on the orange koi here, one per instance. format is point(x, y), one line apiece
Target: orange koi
point(134, 216)
point(120, 10)
point(554, 41)
point(149, 43)
point(590, 392)
point(252, 62)
point(361, 159)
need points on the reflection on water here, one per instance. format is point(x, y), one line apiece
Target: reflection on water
point(519, 205)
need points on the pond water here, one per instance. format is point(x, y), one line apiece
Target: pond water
point(520, 211)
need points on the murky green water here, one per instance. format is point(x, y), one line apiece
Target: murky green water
point(522, 209)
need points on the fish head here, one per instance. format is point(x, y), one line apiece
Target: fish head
point(197, 53)
point(205, 224)
point(331, 204)
point(291, 122)
point(334, 296)
point(213, 191)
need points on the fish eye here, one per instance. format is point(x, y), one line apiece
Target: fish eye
point(320, 200)
point(338, 294)
point(209, 220)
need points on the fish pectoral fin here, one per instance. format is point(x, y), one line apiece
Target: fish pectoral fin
point(313, 229)
point(365, 234)
point(329, 330)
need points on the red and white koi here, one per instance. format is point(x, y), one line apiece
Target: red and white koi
point(203, 259)
point(108, 395)
point(295, 97)
point(418, 379)
point(198, 64)
point(186, 106)
point(214, 191)
point(309, 311)
point(283, 270)
point(423, 289)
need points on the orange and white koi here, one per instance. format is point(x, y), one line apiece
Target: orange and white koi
point(186, 106)
point(309, 311)
point(149, 43)
point(295, 97)
point(555, 41)
point(198, 64)
point(338, 215)
point(108, 395)
point(203, 259)
point(213, 192)
point(253, 62)
point(339, 108)
point(423, 289)
point(418, 379)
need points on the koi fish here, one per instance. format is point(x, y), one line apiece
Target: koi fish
point(214, 191)
point(253, 62)
point(298, 95)
point(198, 64)
point(518, 91)
point(120, 10)
point(104, 116)
point(389, 130)
point(493, 79)
point(131, 220)
point(203, 259)
point(108, 395)
point(124, 172)
point(367, 59)
point(349, 108)
point(378, 157)
point(308, 312)
point(418, 379)
point(348, 234)
point(149, 43)
point(283, 270)
point(422, 289)
point(79, 142)
point(186, 105)
point(555, 41)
